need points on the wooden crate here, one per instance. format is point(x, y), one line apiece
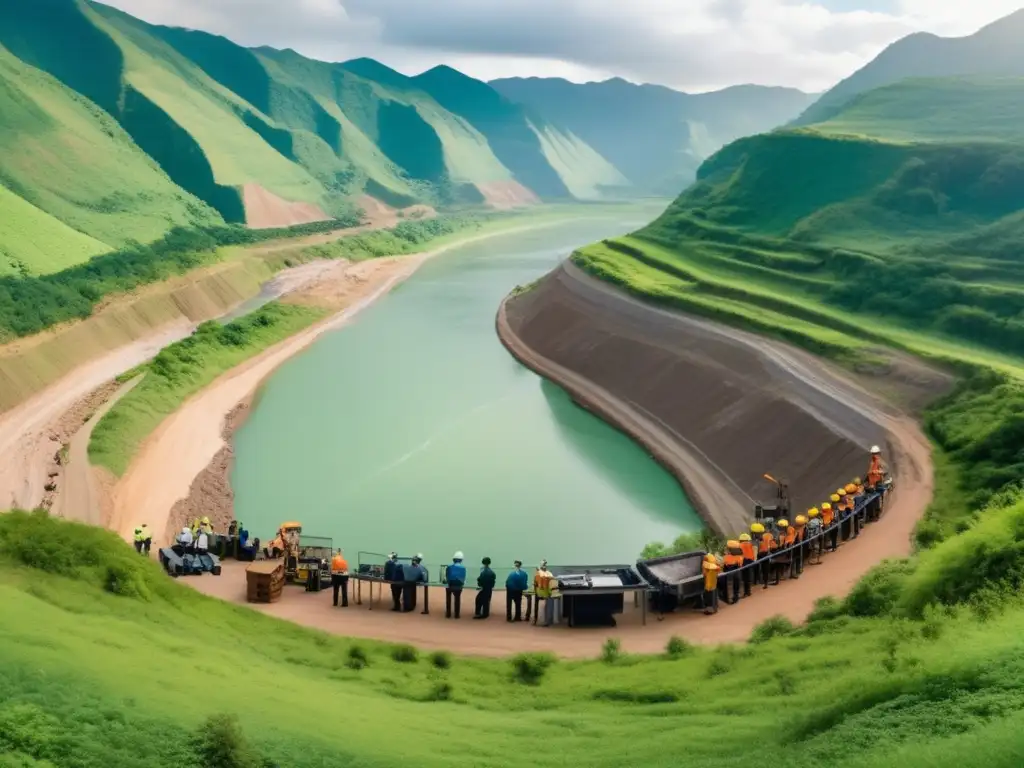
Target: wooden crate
point(264, 581)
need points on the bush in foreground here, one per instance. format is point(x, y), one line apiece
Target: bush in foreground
point(405, 654)
point(776, 626)
point(529, 668)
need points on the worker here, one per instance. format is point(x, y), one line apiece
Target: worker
point(876, 469)
point(815, 537)
point(202, 542)
point(147, 540)
point(733, 561)
point(766, 546)
point(799, 544)
point(553, 603)
point(275, 548)
point(195, 527)
point(138, 539)
point(393, 576)
point(749, 558)
point(413, 575)
point(485, 584)
point(835, 502)
point(339, 578)
point(542, 591)
point(784, 558)
point(184, 542)
point(710, 570)
point(204, 525)
point(852, 504)
point(515, 585)
point(454, 581)
point(844, 514)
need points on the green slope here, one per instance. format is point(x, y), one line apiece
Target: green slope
point(936, 109)
point(34, 243)
point(992, 50)
point(70, 159)
point(654, 136)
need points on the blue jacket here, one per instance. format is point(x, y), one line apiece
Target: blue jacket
point(517, 580)
point(486, 578)
point(456, 575)
point(391, 571)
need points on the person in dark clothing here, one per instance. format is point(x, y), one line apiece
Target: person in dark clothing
point(339, 578)
point(515, 585)
point(454, 581)
point(485, 582)
point(413, 575)
point(393, 575)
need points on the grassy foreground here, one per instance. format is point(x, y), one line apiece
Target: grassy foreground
point(108, 662)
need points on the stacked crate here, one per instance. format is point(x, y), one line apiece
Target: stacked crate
point(264, 581)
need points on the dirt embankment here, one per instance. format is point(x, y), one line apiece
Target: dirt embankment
point(264, 209)
point(505, 195)
point(716, 406)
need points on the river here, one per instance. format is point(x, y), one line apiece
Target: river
point(412, 429)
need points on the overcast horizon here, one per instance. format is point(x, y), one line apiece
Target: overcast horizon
point(689, 45)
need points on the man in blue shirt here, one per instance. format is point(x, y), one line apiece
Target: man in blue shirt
point(516, 583)
point(454, 581)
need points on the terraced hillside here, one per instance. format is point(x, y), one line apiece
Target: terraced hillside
point(654, 136)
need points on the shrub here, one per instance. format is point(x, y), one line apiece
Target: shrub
point(441, 659)
point(611, 651)
point(934, 622)
point(776, 626)
point(441, 691)
point(677, 647)
point(357, 658)
point(877, 593)
point(404, 654)
point(220, 743)
point(826, 609)
point(722, 662)
point(786, 681)
point(529, 668)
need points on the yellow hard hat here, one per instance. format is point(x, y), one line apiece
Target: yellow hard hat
point(744, 537)
point(851, 488)
point(841, 491)
point(856, 481)
point(206, 521)
point(783, 523)
point(814, 512)
point(801, 520)
point(710, 558)
point(732, 544)
point(835, 498)
point(826, 505)
point(757, 528)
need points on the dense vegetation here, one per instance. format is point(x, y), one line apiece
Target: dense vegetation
point(31, 304)
point(182, 369)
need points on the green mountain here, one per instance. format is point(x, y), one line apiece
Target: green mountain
point(654, 136)
point(992, 50)
point(120, 130)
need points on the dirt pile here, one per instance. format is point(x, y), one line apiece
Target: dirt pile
point(504, 195)
point(264, 209)
point(718, 407)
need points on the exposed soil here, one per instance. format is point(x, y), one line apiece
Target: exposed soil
point(264, 209)
point(504, 195)
point(717, 406)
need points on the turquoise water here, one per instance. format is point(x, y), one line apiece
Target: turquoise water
point(412, 429)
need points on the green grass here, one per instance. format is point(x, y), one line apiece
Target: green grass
point(182, 369)
point(71, 160)
point(93, 640)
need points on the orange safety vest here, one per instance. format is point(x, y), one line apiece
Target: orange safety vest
point(767, 544)
point(732, 560)
point(826, 517)
point(801, 532)
point(876, 472)
point(748, 550)
point(710, 577)
point(339, 564)
point(790, 538)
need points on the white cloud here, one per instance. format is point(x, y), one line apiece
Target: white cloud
point(688, 44)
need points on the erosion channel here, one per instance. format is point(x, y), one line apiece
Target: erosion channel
point(412, 429)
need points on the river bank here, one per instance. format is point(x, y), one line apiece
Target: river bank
point(716, 406)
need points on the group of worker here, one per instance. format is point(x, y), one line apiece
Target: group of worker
point(773, 547)
point(195, 538)
point(405, 578)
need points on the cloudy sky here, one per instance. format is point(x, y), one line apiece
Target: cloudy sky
point(692, 45)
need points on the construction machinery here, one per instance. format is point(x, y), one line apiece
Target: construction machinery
point(314, 555)
point(184, 562)
point(780, 509)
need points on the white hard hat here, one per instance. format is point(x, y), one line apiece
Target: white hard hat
point(875, 449)
point(185, 529)
point(458, 556)
point(419, 556)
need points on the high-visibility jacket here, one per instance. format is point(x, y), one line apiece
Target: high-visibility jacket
point(767, 544)
point(139, 535)
point(827, 516)
point(801, 532)
point(710, 576)
point(789, 539)
point(733, 561)
point(339, 564)
point(542, 582)
point(748, 550)
point(876, 472)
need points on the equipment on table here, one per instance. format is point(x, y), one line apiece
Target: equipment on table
point(676, 579)
point(593, 594)
point(264, 581)
point(183, 562)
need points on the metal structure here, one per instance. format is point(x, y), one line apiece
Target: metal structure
point(594, 594)
point(674, 579)
point(180, 562)
point(781, 508)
